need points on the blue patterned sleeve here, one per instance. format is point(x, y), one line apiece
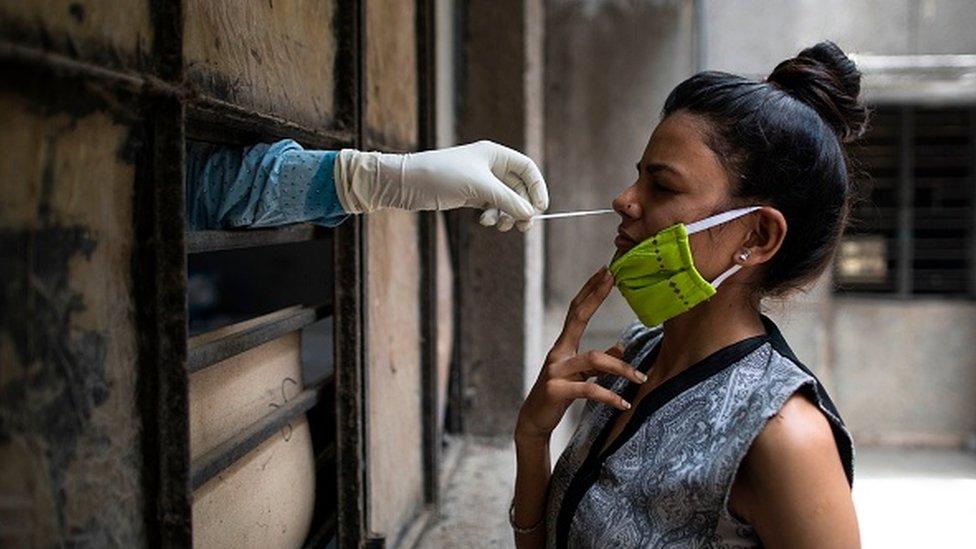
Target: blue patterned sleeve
point(265, 185)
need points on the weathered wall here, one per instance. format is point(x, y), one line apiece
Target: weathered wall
point(276, 58)
point(394, 431)
point(390, 115)
point(905, 370)
point(112, 33)
point(393, 358)
point(69, 423)
point(500, 274)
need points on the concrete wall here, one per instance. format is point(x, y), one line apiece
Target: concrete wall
point(898, 369)
point(500, 275)
point(609, 66)
point(750, 36)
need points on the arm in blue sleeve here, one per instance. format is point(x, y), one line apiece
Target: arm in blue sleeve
point(261, 186)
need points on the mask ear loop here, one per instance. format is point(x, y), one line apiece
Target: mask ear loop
point(718, 219)
point(722, 277)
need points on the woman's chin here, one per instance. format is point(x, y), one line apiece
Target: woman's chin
point(623, 244)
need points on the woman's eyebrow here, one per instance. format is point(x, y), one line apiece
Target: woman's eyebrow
point(654, 167)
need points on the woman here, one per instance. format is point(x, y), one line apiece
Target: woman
point(707, 431)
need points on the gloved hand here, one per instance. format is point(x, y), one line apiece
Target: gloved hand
point(479, 175)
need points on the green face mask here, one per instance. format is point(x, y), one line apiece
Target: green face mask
point(658, 277)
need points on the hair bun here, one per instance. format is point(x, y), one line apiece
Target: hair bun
point(826, 79)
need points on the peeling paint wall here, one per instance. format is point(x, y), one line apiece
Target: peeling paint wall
point(274, 57)
point(69, 424)
point(115, 33)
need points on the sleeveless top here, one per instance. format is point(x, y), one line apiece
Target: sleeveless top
point(665, 480)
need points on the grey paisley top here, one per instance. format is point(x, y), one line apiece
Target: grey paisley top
point(665, 480)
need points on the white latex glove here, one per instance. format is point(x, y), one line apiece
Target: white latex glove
point(506, 183)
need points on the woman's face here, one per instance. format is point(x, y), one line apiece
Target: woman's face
point(680, 179)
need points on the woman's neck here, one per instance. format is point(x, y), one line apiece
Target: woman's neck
point(728, 317)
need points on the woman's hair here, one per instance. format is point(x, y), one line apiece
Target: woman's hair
point(782, 141)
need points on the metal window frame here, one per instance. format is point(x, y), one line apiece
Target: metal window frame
point(207, 354)
point(174, 112)
point(904, 237)
point(426, 100)
point(210, 119)
point(211, 241)
point(906, 200)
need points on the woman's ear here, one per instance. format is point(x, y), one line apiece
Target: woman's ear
point(767, 231)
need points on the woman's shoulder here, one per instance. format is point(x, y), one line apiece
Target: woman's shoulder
point(793, 462)
point(798, 427)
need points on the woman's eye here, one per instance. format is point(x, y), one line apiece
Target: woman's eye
point(662, 188)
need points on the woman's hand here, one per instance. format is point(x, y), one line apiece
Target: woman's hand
point(564, 375)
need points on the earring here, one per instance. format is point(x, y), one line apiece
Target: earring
point(744, 254)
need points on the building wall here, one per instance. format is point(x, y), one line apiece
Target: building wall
point(749, 36)
point(84, 87)
point(609, 66)
point(500, 275)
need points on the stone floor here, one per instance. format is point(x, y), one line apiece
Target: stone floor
point(904, 498)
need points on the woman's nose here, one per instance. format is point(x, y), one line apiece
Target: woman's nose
point(626, 204)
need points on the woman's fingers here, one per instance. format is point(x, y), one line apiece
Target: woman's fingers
point(590, 285)
point(572, 390)
point(593, 363)
point(582, 308)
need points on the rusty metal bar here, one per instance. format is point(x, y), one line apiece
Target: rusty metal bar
point(213, 351)
point(212, 241)
point(426, 82)
point(321, 536)
point(159, 272)
point(215, 120)
point(350, 352)
point(58, 66)
point(906, 199)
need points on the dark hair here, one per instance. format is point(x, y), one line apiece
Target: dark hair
point(782, 140)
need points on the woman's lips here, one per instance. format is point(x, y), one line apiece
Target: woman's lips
point(623, 242)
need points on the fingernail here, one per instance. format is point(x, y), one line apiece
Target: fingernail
point(641, 376)
point(625, 404)
point(606, 274)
